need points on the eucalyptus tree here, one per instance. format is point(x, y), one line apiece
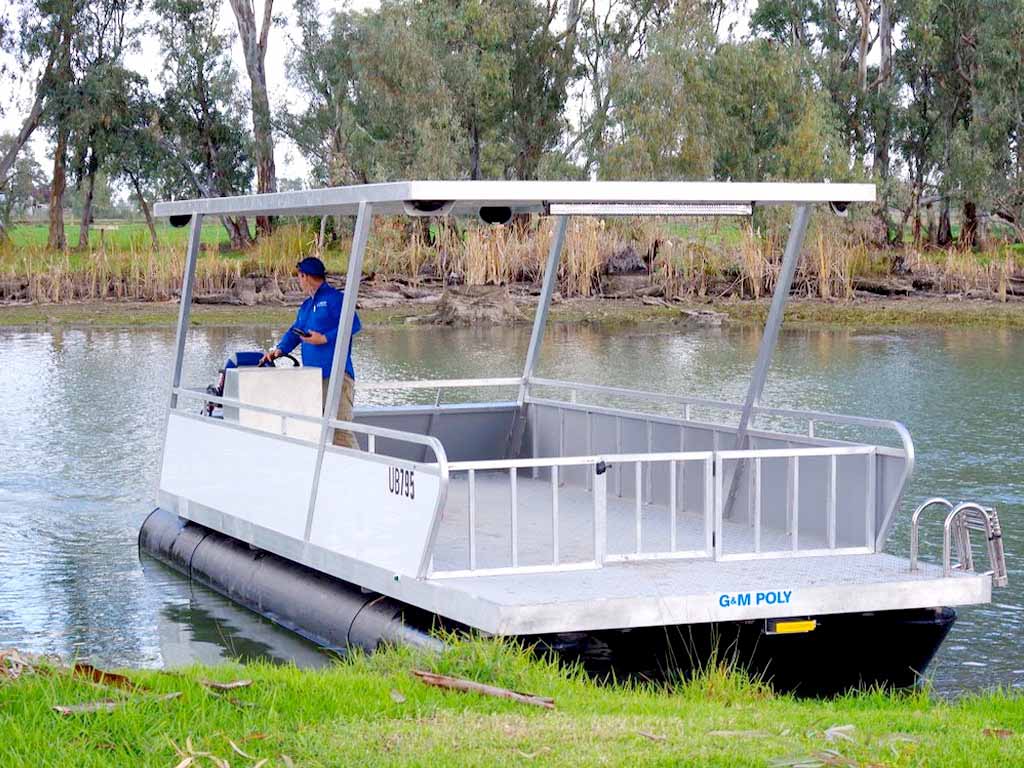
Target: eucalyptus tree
point(36, 35)
point(23, 186)
point(201, 115)
point(610, 36)
point(376, 107)
point(255, 37)
point(101, 94)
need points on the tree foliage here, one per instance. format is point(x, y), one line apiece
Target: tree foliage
point(923, 97)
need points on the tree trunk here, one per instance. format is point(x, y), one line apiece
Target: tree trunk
point(238, 232)
point(90, 188)
point(31, 122)
point(883, 122)
point(944, 235)
point(145, 210)
point(969, 233)
point(56, 240)
point(474, 152)
point(254, 46)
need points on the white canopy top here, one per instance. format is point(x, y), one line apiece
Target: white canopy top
point(467, 197)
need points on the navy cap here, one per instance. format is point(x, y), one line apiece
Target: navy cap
point(311, 266)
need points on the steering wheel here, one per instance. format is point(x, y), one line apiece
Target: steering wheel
point(273, 363)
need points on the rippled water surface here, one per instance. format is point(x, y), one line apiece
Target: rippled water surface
point(82, 410)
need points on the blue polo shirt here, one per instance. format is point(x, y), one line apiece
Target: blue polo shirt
point(321, 312)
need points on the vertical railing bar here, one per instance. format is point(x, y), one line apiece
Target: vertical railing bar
point(832, 503)
point(716, 537)
point(687, 412)
point(513, 480)
point(810, 427)
point(869, 506)
point(371, 443)
point(757, 504)
point(796, 503)
point(709, 503)
point(554, 514)
point(648, 488)
point(672, 502)
point(750, 497)
point(682, 473)
point(561, 432)
point(590, 446)
point(639, 506)
point(789, 492)
point(618, 449)
point(472, 519)
point(600, 515)
point(535, 439)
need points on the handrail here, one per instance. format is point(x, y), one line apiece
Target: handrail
point(915, 533)
point(440, 383)
point(811, 416)
point(609, 459)
point(863, 421)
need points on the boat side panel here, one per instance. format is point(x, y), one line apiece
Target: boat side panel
point(261, 478)
point(238, 480)
point(375, 512)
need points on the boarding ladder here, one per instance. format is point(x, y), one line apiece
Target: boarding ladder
point(961, 519)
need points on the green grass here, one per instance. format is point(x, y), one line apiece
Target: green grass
point(372, 711)
point(727, 233)
point(126, 236)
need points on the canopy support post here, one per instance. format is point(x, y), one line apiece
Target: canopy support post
point(185, 308)
point(540, 319)
point(768, 341)
point(348, 311)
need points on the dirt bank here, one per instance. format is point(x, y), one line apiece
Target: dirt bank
point(379, 309)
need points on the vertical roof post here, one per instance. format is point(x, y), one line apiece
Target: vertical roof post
point(185, 308)
point(768, 341)
point(540, 319)
point(348, 311)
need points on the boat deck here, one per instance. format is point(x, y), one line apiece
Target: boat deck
point(671, 592)
point(650, 592)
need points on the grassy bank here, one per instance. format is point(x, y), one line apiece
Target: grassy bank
point(876, 313)
point(373, 711)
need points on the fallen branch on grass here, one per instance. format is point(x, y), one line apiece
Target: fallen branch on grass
point(458, 684)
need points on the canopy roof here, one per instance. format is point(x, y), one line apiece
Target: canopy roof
point(467, 197)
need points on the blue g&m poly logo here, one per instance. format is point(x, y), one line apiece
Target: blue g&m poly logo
point(746, 599)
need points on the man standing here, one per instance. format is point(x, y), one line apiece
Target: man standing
point(316, 326)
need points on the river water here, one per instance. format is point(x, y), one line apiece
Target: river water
point(81, 414)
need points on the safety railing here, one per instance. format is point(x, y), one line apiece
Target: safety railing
point(438, 385)
point(692, 404)
point(438, 467)
point(597, 491)
point(752, 461)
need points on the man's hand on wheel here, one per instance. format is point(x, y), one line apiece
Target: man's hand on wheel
point(271, 356)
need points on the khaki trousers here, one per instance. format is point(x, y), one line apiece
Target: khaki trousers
point(343, 437)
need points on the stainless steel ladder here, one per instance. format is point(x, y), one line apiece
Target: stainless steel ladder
point(961, 519)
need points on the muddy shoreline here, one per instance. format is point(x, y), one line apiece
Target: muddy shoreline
point(398, 304)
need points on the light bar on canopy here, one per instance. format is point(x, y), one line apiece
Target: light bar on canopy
point(651, 209)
